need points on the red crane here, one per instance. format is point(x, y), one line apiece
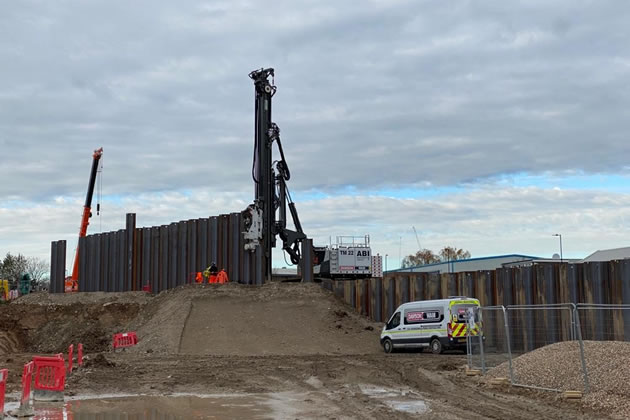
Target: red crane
point(71, 284)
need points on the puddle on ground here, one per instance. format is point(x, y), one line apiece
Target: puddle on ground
point(279, 405)
point(404, 400)
point(156, 408)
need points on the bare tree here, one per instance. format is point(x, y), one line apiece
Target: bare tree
point(426, 256)
point(39, 269)
point(422, 257)
point(451, 253)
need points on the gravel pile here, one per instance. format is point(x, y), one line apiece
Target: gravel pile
point(558, 366)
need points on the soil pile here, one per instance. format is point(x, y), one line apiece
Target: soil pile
point(276, 319)
point(42, 323)
point(230, 319)
point(89, 298)
point(559, 366)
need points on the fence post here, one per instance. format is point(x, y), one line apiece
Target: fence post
point(469, 350)
point(579, 337)
point(481, 353)
point(507, 340)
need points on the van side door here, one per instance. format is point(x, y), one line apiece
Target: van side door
point(423, 323)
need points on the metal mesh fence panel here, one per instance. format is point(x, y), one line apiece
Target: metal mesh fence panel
point(546, 347)
point(604, 329)
point(491, 348)
point(604, 322)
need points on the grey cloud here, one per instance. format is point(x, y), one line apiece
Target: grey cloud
point(486, 220)
point(380, 94)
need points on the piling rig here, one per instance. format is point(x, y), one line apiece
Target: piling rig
point(267, 216)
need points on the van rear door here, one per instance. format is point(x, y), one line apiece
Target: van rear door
point(460, 313)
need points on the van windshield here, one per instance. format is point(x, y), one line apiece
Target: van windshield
point(462, 312)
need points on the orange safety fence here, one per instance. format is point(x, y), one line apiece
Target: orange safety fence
point(70, 357)
point(27, 379)
point(127, 339)
point(4, 374)
point(80, 355)
point(50, 373)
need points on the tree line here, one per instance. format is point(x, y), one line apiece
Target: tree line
point(426, 256)
point(13, 267)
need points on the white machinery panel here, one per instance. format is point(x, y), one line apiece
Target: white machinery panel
point(355, 260)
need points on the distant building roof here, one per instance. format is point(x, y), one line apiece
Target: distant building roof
point(470, 264)
point(609, 255)
point(530, 262)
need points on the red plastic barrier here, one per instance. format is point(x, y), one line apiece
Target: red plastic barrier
point(146, 288)
point(70, 356)
point(127, 339)
point(50, 373)
point(4, 373)
point(27, 379)
point(80, 355)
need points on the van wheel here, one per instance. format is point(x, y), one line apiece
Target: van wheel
point(436, 346)
point(388, 346)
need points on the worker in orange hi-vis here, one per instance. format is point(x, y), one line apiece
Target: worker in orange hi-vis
point(199, 278)
point(222, 277)
point(211, 273)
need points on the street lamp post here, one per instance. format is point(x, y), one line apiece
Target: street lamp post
point(559, 235)
point(400, 253)
point(386, 262)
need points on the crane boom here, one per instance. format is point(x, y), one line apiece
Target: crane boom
point(417, 239)
point(87, 213)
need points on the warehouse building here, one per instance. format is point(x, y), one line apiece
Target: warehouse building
point(470, 264)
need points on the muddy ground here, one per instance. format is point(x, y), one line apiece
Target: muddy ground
point(294, 342)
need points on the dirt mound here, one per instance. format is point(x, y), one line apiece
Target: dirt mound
point(276, 319)
point(559, 366)
point(86, 298)
point(161, 323)
point(51, 328)
point(232, 319)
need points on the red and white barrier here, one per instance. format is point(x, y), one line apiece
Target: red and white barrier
point(80, 355)
point(27, 379)
point(4, 374)
point(123, 340)
point(70, 356)
point(50, 378)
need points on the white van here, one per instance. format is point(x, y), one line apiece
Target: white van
point(439, 324)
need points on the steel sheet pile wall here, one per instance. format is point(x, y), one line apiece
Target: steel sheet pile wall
point(163, 257)
point(540, 284)
point(57, 266)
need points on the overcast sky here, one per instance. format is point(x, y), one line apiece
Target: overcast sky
point(487, 125)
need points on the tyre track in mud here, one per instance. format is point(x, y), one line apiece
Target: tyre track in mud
point(336, 380)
